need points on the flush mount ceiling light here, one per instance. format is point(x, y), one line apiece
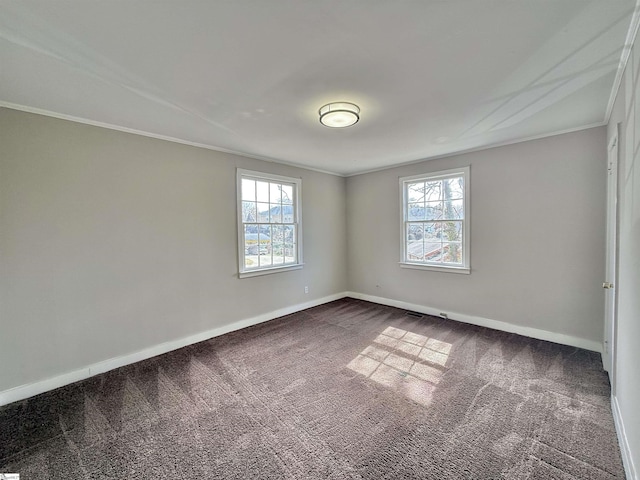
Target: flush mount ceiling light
point(339, 114)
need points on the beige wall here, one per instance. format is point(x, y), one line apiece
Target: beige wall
point(537, 229)
point(111, 243)
point(627, 388)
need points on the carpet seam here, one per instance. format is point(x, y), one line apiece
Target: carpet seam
point(572, 458)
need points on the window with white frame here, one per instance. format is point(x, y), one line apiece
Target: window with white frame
point(269, 227)
point(435, 221)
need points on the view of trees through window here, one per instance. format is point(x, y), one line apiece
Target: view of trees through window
point(434, 217)
point(268, 223)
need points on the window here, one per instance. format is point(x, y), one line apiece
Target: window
point(269, 228)
point(435, 221)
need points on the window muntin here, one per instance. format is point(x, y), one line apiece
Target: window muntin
point(268, 223)
point(435, 220)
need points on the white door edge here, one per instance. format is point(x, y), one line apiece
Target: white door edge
point(609, 341)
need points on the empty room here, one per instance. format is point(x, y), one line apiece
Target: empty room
point(319, 239)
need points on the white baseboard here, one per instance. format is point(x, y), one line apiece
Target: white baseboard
point(25, 391)
point(29, 390)
point(627, 459)
point(486, 322)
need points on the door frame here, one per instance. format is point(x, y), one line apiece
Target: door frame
point(610, 285)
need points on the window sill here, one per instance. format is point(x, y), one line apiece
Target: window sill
point(436, 268)
point(268, 271)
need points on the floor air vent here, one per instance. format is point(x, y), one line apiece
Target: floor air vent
point(414, 314)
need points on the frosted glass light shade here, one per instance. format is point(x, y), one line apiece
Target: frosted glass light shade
point(339, 114)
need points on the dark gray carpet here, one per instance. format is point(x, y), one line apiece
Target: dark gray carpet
point(349, 389)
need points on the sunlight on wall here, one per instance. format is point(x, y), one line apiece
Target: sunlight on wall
point(407, 362)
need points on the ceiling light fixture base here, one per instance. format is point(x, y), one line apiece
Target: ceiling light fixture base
point(339, 114)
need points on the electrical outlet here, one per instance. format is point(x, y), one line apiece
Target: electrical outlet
point(306, 289)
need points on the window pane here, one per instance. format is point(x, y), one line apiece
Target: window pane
point(453, 188)
point(434, 254)
point(277, 235)
point(288, 213)
point(287, 194)
point(415, 192)
point(264, 240)
point(289, 253)
point(432, 232)
point(433, 191)
point(249, 262)
point(277, 250)
point(265, 259)
point(276, 213)
point(277, 242)
point(250, 246)
point(453, 210)
point(249, 212)
point(452, 253)
point(264, 245)
point(262, 189)
point(415, 250)
point(263, 212)
point(274, 193)
point(416, 212)
point(452, 231)
point(415, 242)
point(433, 211)
point(289, 233)
point(248, 189)
point(432, 242)
point(415, 231)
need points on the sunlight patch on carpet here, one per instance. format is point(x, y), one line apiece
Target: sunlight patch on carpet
point(406, 362)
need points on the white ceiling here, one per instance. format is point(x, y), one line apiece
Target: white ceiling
point(431, 77)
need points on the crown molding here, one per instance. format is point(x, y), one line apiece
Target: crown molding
point(484, 147)
point(85, 121)
point(166, 138)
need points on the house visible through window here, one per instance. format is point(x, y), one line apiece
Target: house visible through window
point(435, 220)
point(269, 228)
